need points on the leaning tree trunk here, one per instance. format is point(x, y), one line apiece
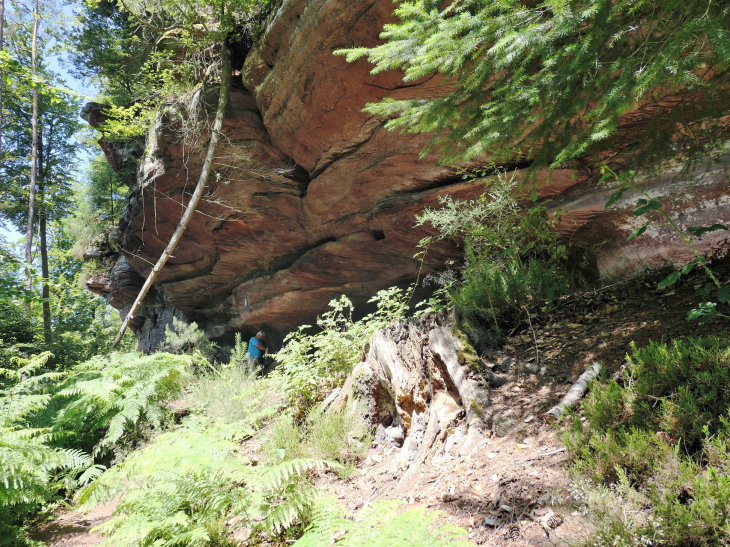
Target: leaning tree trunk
point(33, 161)
point(202, 181)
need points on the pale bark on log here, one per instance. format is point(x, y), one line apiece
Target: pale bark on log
point(575, 393)
point(202, 181)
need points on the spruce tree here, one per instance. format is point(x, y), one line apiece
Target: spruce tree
point(548, 82)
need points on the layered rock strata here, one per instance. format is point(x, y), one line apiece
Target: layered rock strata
point(312, 198)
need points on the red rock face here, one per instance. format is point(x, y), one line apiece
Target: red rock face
point(312, 198)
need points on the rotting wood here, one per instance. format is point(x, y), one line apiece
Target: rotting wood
point(575, 393)
point(197, 194)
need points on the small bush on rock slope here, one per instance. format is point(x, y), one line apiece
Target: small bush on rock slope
point(512, 257)
point(313, 364)
point(653, 462)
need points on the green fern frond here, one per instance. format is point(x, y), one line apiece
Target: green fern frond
point(282, 473)
point(385, 523)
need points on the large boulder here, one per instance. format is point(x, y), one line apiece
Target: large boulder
point(311, 197)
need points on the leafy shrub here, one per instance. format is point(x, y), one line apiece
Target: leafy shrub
point(313, 364)
point(653, 462)
point(678, 389)
point(512, 256)
point(385, 523)
point(182, 337)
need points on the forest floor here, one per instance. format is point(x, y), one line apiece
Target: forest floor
point(511, 485)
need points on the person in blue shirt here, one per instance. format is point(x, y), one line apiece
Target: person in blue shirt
point(256, 349)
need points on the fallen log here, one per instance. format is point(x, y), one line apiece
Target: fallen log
point(575, 393)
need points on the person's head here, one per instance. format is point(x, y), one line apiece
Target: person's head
point(260, 335)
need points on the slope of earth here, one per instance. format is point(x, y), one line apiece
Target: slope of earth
point(514, 484)
point(313, 198)
point(510, 484)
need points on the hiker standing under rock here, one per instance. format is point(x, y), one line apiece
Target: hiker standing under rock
point(256, 350)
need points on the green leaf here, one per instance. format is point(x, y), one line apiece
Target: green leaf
point(707, 289)
point(615, 197)
point(688, 267)
point(723, 294)
point(637, 232)
point(697, 231)
point(533, 196)
point(671, 278)
point(703, 313)
point(650, 205)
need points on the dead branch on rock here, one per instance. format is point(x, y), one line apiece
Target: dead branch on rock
point(575, 393)
point(202, 181)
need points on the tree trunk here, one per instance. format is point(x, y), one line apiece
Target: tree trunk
point(34, 161)
point(42, 229)
point(47, 333)
point(2, 48)
point(202, 181)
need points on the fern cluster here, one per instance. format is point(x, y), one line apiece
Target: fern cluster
point(111, 396)
point(180, 488)
point(32, 469)
point(386, 523)
point(55, 426)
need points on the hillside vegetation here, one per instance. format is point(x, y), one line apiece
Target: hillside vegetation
point(195, 444)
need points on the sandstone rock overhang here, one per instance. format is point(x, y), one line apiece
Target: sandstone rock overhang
point(313, 198)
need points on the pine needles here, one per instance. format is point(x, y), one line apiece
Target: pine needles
point(549, 81)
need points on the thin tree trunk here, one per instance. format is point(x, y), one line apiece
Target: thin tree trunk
point(42, 229)
point(34, 161)
point(47, 333)
point(111, 196)
point(2, 48)
point(202, 181)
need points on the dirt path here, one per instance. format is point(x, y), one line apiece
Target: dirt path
point(72, 529)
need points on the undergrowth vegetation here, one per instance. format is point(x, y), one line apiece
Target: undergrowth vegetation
point(58, 429)
point(652, 461)
point(340, 435)
point(512, 258)
point(313, 364)
point(386, 523)
point(181, 488)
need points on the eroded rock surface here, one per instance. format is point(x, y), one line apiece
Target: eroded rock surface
point(416, 385)
point(312, 198)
